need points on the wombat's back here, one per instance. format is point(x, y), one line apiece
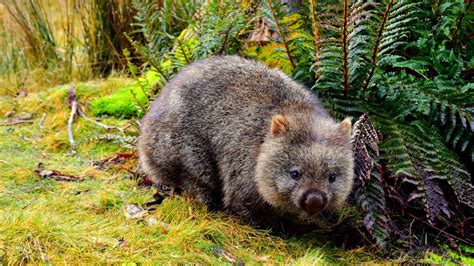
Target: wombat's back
point(216, 90)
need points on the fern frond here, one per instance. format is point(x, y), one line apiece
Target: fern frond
point(315, 30)
point(371, 199)
point(344, 45)
point(274, 13)
point(369, 192)
point(391, 31)
point(364, 143)
point(409, 154)
point(219, 27)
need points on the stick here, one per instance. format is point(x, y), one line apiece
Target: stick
point(107, 127)
point(73, 103)
point(40, 123)
point(16, 122)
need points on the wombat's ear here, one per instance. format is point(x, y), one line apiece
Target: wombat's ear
point(279, 125)
point(346, 126)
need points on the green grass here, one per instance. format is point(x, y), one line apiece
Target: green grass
point(46, 221)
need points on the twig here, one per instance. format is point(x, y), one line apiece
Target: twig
point(106, 127)
point(73, 103)
point(441, 230)
point(227, 256)
point(5, 162)
point(16, 122)
point(40, 123)
point(76, 110)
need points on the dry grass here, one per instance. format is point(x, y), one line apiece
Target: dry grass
point(47, 221)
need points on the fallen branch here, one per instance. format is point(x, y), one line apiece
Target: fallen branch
point(120, 158)
point(73, 104)
point(17, 122)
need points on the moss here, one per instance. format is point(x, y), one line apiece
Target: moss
point(126, 102)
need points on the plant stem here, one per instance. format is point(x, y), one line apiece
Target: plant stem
point(314, 25)
point(377, 44)
point(344, 49)
point(280, 32)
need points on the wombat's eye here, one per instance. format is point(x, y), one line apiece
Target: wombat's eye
point(332, 178)
point(295, 175)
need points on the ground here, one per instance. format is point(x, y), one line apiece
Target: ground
point(50, 221)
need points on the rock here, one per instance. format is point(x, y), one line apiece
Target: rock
point(132, 211)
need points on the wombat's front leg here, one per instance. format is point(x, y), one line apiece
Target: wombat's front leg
point(202, 192)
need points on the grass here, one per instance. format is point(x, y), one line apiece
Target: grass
point(48, 221)
point(43, 220)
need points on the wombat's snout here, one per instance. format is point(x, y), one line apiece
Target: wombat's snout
point(313, 202)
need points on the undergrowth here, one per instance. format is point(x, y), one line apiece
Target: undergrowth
point(405, 64)
point(47, 221)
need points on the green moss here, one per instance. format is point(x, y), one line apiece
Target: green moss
point(126, 102)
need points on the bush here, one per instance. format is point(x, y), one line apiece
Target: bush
point(407, 66)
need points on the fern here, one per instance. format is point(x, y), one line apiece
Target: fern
point(391, 31)
point(219, 28)
point(274, 12)
point(369, 192)
point(405, 64)
point(160, 23)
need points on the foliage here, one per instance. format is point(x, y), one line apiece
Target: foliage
point(369, 193)
point(202, 29)
point(406, 64)
point(160, 23)
point(104, 26)
point(52, 42)
point(410, 78)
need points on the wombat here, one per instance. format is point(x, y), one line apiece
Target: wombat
point(244, 138)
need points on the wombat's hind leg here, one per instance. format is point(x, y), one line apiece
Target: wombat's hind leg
point(159, 162)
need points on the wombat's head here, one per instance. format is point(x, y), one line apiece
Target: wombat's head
point(305, 164)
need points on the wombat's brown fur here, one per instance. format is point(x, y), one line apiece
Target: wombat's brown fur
point(244, 138)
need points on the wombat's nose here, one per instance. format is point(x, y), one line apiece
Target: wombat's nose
point(314, 202)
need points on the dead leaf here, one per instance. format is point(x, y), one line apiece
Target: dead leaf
point(120, 158)
point(56, 175)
